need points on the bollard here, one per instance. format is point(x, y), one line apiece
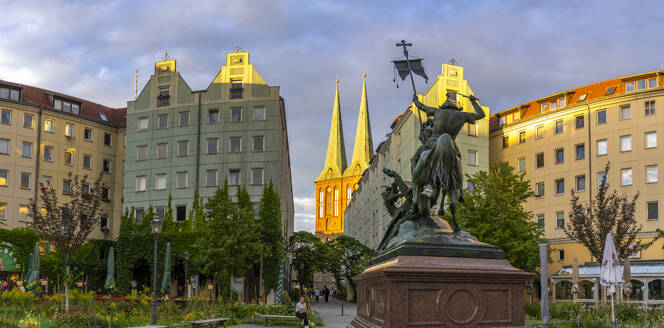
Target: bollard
point(342, 308)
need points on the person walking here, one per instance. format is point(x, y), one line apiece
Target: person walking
point(326, 293)
point(317, 294)
point(301, 312)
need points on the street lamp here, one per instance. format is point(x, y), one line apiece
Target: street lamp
point(186, 277)
point(155, 224)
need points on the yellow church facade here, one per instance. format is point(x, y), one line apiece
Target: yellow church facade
point(337, 180)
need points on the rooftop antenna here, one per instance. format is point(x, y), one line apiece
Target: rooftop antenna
point(136, 85)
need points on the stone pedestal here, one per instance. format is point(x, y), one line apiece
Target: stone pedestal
point(441, 291)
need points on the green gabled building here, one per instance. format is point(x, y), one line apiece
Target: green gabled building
point(184, 143)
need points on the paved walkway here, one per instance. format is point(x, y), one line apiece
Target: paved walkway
point(330, 312)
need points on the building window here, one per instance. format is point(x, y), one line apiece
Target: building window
point(259, 144)
point(180, 213)
point(236, 89)
point(108, 139)
point(579, 122)
point(580, 182)
point(625, 112)
point(163, 99)
point(539, 160)
point(236, 114)
point(181, 179)
point(561, 255)
point(560, 155)
point(66, 106)
point(213, 116)
point(626, 177)
point(539, 189)
point(141, 153)
point(141, 181)
point(321, 203)
point(105, 194)
point(236, 144)
point(336, 201)
point(601, 116)
point(625, 143)
point(561, 102)
point(652, 83)
point(649, 107)
point(472, 157)
point(183, 148)
point(48, 152)
point(651, 139)
point(212, 146)
point(85, 189)
point(87, 134)
point(522, 137)
point(11, 94)
point(160, 211)
point(540, 222)
point(582, 97)
point(560, 219)
point(602, 147)
point(162, 121)
point(4, 177)
point(6, 117)
point(106, 166)
point(257, 176)
point(25, 180)
point(211, 178)
point(26, 151)
point(69, 130)
point(103, 223)
point(559, 127)
point(629, 86)
point(544, 107)
point(653, 210)
point(87, 161)
point(184, 118)
point(651, 173)
point(69, 157)
point(49, 125)
point(143, 123)
point(472, 130)
point(580, 151)
point(162, 150)
point(553, 105)
point(539, 132)
point(521, 164)
point(66, 187)
point(160, 181)
point(28, 120)
point(103, 117)
point(4, 146)
point(506, 141)
point(560, 186)
point(138, 214)
point(259, 113)
point(23, 213)
point(3, 211)
point(601, 178)
point(234, 177)
point(47, 181)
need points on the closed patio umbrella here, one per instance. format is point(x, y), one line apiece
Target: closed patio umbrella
point(575, 278)
point(166, 282)
point(109, 285)
point(33, 280)
point(611, 273)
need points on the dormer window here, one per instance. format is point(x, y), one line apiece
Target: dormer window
point(561, 102)
point(610, 91)
point(66, 106)
point(236, 89)
point(544, 107)
point(9, 93)
point(582, 97)
point(164, 97)
point(103, 117)
point(629, 86)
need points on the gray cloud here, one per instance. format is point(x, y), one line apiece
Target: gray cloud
point(512, 51)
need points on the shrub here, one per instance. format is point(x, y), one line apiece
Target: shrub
point(533, 310)
point(78, 319)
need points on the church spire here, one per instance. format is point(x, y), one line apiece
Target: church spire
point(335, 161)
point(363, 149)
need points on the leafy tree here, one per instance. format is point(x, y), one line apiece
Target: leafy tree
point(67, 224)
point(309, 254)
point(271, 236)
point(493, 212)
point(608, 213)
point(346, 258)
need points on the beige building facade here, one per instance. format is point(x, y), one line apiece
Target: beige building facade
point(565, 140)
point(366, 216)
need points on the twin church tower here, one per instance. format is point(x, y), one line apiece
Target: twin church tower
point(338, 180)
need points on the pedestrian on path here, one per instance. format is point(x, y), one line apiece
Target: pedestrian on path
point(317, 294)
point(326, 293)
point(301, 312)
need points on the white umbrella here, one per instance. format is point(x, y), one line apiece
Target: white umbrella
point(611, 274)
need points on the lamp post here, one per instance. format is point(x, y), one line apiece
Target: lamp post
point(155, 224)
point(186, 277)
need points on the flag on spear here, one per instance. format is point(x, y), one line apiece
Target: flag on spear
point(402, 69)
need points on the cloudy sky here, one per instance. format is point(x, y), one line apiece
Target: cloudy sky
point(512, 51)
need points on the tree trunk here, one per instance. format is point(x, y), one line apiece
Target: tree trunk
point(66, 288)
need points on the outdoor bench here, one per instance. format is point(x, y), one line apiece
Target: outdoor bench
point(280, 317)
point(214, 322)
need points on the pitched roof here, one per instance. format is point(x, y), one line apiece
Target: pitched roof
point(592, 92)
point(116, 117)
